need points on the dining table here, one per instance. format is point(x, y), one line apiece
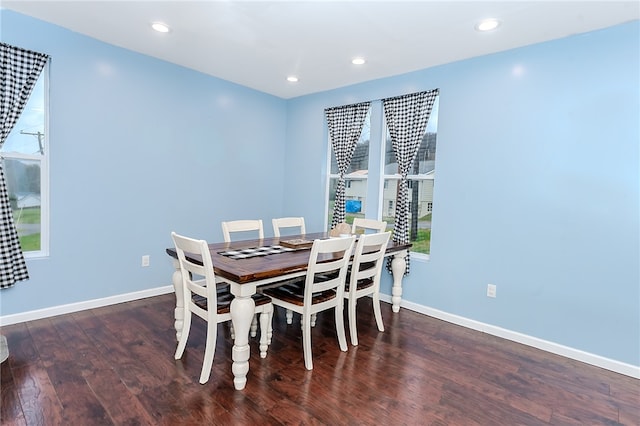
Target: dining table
point(248, 264)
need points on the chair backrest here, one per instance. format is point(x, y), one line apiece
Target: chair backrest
point(365, 225)
point(196, 267)
point(368, 259)
point(288, 222)
point(327, 269)
point(241, 226)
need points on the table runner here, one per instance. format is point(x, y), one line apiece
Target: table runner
point(254, 251)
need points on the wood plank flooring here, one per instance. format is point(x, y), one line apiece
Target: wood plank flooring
point(115, 366)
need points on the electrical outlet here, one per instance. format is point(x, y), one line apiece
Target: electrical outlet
point(491, 290)
point(145, 260)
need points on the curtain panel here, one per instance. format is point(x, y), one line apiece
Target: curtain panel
point(407, 117)
point(345, 127)
point(20, 70)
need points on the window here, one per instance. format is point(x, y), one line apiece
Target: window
point(355, 178)
point(381, 160)
point(420, 182)
point(24, 160)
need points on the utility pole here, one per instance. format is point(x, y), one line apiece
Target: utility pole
point(40, 137)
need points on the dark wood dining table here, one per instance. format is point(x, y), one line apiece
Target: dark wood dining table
point(246, 274)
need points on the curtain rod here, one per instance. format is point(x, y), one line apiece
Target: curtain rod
point(383, 99)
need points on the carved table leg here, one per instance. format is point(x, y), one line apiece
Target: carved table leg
point(398, 268)
point(242, 312)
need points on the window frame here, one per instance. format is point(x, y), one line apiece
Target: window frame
point(43, 159)
point(410, 177)
point(376, 176)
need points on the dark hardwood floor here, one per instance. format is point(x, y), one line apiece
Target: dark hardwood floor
point(114, 365)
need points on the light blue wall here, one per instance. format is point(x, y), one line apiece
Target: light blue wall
point(536, 191)
point(139, 148)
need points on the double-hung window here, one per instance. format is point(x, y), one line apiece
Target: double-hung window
point(25, 164)
point(382, 159)
point(420, 181)
point(356, 178)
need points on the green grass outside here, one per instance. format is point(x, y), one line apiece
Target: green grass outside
point(423, 242)
point(30, 242)
point(29, 215)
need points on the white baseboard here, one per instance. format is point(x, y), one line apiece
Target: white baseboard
point(555, 348)
point(81, 306)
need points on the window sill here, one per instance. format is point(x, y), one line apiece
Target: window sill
point(36, 255)
point(419, 256)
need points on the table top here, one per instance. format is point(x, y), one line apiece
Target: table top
point(268, 266)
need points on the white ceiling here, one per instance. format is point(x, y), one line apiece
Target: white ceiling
point(259, 43)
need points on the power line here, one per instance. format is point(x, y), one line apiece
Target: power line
point(40, 137)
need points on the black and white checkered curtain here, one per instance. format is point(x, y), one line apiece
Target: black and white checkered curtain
point(407, 117)
point(20, 70)
point(345, 127)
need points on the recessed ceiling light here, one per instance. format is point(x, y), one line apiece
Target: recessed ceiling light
point(160, 27)
point(292, 79)
point(358, 61)
point(487, 24)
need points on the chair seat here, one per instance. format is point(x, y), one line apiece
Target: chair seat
point(361, 284)
point(294, 293)
point(224, 299)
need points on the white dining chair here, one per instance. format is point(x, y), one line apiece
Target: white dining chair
point(364, 278)
point(203, 298)
point(362, 225)
point(243, 227)
point(288, 222)
point(320, 290)
point(236, 226)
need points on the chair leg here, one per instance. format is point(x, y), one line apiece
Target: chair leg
point(377, 312)
point(313, 320)
point(209, 351)
point(289, 316)
point(353, 329)
point(254, 326)
point(270, 330)
point(184, 334)
point(265, 328)
point(342, 338)
point(306, 342)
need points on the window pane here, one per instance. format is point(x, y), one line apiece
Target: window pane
point(425, 160)
point(23, 185)
point(420, 204)
point(27, 136)
point(355, 198)
point(360, 159)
